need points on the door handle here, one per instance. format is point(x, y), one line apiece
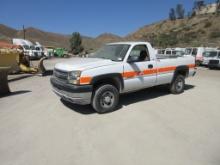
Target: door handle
point(150, 66)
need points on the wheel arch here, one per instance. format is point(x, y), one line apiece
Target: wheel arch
point(181, 70)
point(115, 79)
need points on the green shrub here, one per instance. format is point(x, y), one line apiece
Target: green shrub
point(214, 34)
point(201, 31)
point(207, 24)
point(187, 28)
point(165, 40)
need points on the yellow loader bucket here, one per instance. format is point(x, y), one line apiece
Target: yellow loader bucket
point(28, 69)
point(9, 58)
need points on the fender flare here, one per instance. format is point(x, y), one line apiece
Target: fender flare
point(181, 69)
point(116, 77)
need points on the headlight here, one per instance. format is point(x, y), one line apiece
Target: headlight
point(74, 77)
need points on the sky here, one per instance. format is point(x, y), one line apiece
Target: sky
point(89, 17)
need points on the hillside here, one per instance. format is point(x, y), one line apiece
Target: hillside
point(54, 39)
point(45, 38)
point(197, 31)
point(108, 37)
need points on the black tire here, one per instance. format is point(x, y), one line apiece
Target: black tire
point(105, 98)
point(178, 85)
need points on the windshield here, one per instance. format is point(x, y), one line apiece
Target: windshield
point(168, 52)
point(188, 51)
point(210, 54)
point(161, 51)
point(32, 47)
point(194, 52)
point(115, 52)
point(178, 53)
point(26, 47)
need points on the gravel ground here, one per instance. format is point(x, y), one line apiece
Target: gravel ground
point(150, 127)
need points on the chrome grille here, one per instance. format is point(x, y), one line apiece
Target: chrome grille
point(60, 74)
point(214, 62)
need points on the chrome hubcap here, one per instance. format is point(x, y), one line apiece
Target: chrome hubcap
point(179, 85)
point(107, 99)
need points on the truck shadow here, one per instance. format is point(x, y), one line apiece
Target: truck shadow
point(146, 94)
point(20, 77)
point(83, 109)
point(126, 99)
point(47, 73)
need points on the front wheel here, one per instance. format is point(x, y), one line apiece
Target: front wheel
point(178, 85)
point(105, 98)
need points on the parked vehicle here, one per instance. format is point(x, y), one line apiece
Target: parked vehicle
point(198, 53)
point(214, 62)
point(49, 51)
point(119, 68)
point(31, 50)
point(179, 51)
point(160, 51)
point(173, 51)
point(208, 55)
point(169, 51)
point(188, 51)
point(39, 49)
point(23, 43)
point(60, 52)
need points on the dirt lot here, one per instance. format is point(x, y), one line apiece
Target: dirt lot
point(151, 127)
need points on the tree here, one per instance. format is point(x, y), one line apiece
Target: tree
point(198, 4)
point(76, 43)
point(172, 14)
point(218, 6)
point(189, 14)
point(180, 11)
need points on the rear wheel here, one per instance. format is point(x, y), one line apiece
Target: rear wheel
point(105, 98)
point(178, 85)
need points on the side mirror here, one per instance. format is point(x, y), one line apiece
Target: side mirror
point(132, 59)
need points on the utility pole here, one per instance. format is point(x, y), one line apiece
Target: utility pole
point(24, 31)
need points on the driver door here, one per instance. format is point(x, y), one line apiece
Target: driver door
point(139, 71)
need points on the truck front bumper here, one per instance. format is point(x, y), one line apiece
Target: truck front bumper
point(214, 65)
point(77, 94)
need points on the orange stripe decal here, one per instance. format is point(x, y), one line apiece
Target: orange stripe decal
point(141, 73)
point(192, 66)
point(85, 80)
point(132, 74)
point(166, 69)
point(129, 74)
point(150, 71)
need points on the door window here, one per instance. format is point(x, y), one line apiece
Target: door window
point(168, 52)
point(140, 53)
point(194, 52)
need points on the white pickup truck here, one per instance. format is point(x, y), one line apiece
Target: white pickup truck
point(119, 68)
